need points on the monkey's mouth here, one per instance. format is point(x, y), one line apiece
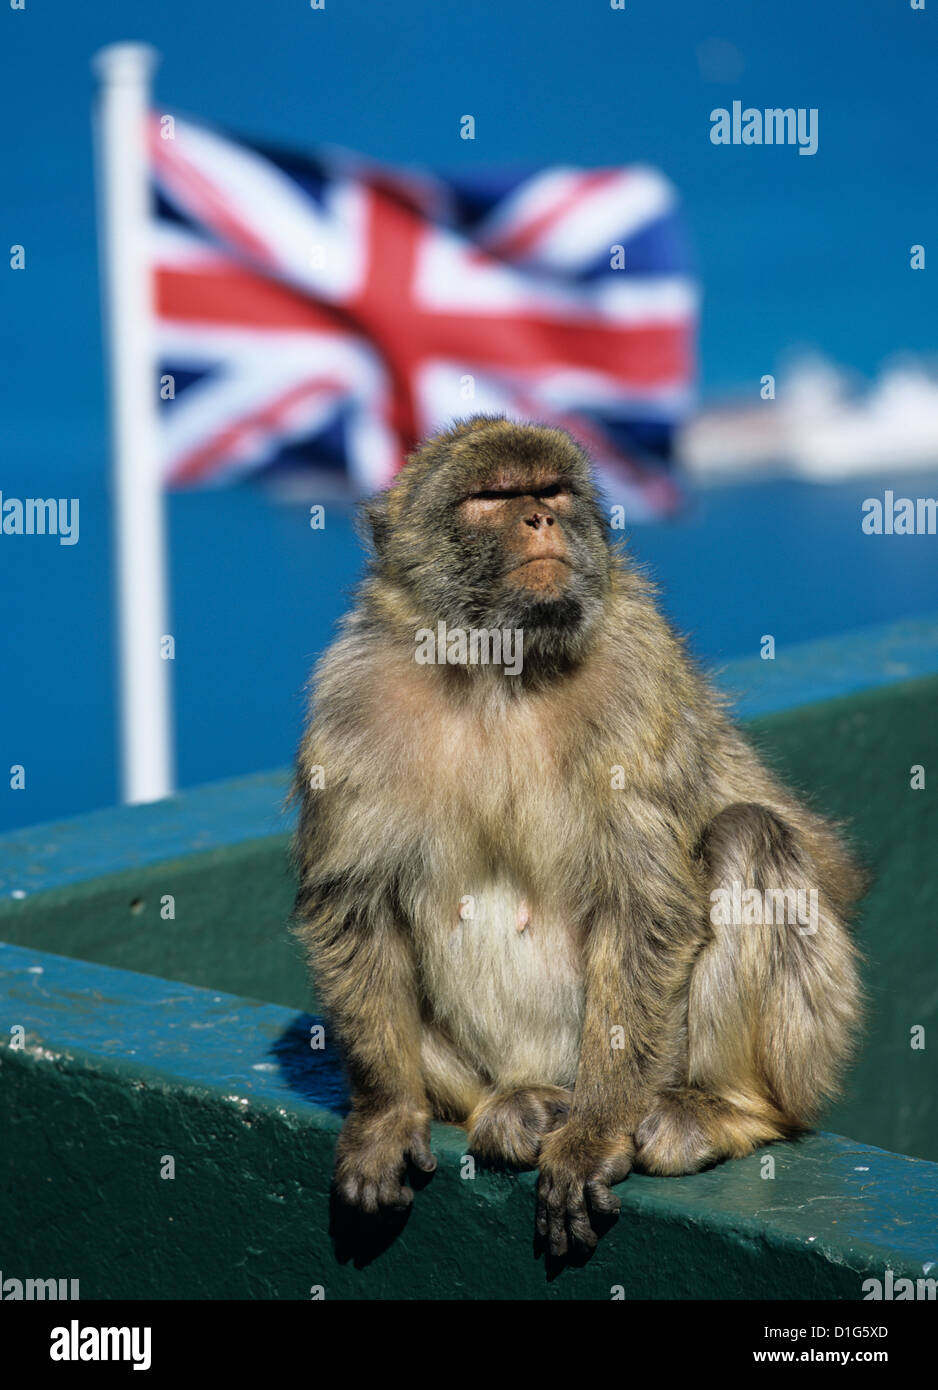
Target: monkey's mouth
point(551, 558)
point(547, 577)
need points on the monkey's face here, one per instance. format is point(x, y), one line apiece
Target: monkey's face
point(496, 526)
point(525, 537)
point(525, 517)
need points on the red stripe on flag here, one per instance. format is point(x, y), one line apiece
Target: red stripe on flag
point(646, 355)
point(642, 356)
point(237, 299)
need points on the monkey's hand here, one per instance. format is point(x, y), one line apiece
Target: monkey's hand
point(577, 1168)
point(373, 1151)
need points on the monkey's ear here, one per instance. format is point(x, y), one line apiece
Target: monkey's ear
point(375, 523)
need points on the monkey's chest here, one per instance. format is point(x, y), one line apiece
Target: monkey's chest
point(505, 981)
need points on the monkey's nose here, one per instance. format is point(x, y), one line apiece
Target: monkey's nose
point(535, 520)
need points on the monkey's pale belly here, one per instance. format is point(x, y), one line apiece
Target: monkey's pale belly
point(506, 985)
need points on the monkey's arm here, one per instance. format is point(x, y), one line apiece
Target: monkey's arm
point(639, 951)
point(364, 975)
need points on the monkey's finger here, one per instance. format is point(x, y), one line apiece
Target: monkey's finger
point(368, 1200)
point(548, 1220)
point(421, 1157)
point(601, 1199)
point(556, 1210)
point(616, 1169)
point(393, 1194)
point(557, 1232)
point(348, 1191)
point(549, 1195)
point(540, 1219)
point(579, 1229)
point(581, 1233)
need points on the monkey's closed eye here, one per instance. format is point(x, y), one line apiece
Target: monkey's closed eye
point(503, 494)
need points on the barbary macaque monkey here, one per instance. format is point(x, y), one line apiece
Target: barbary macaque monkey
point(516, 890)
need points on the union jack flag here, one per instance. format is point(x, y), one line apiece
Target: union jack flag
point(325, 313)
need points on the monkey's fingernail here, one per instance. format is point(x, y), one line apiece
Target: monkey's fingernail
point(584, 1237)
point(558, 1244)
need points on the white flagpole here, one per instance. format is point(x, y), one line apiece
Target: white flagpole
point(123, 72)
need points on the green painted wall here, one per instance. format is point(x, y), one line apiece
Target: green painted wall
point(851, 755)
point(120, 1072)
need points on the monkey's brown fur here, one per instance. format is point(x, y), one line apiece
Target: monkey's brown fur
point(596, 799)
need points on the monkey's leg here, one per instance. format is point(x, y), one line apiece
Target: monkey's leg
point(454, 1087)
point(508, 1126)
point(503, 1126)
point(365, 977)
point(638, 953)
point(771, 1005)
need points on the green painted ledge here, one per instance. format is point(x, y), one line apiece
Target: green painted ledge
point(120, 1070)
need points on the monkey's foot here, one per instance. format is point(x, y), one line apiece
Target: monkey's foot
point(574, 1201)
point(373, 1154)
point(689, 1129)
point(508, 1127)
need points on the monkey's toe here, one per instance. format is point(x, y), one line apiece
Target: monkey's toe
point(689, 1129)
point(508, 1127)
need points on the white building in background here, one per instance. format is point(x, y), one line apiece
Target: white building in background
point(819, 425)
